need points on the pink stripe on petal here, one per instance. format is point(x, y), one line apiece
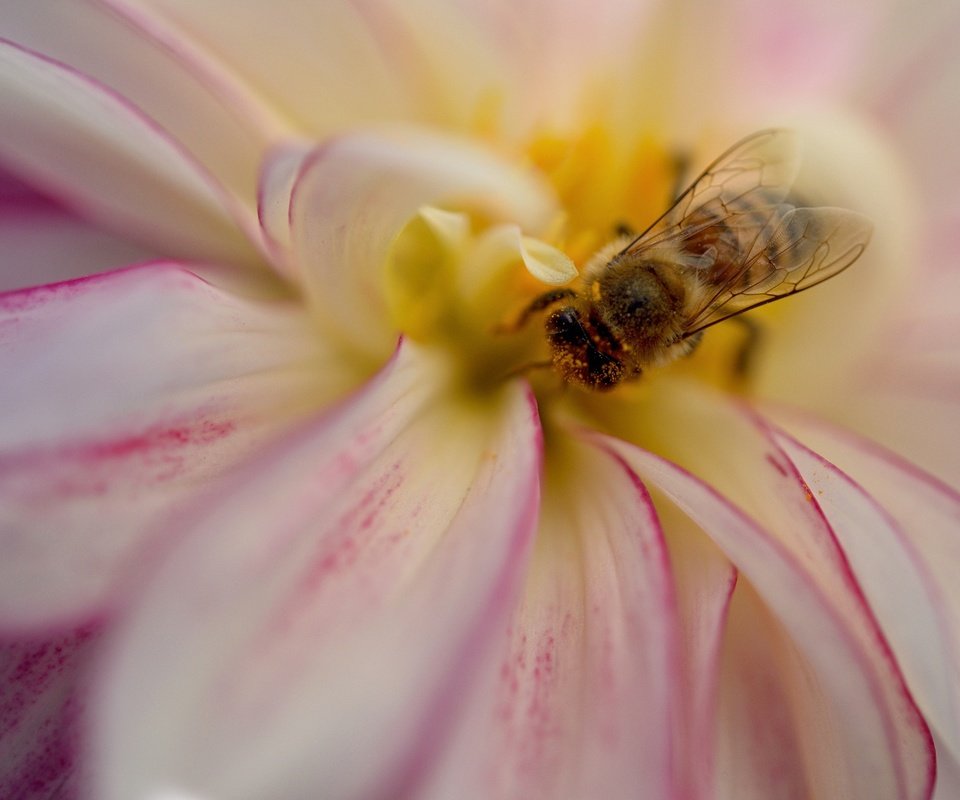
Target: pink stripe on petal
point(354, 194)
point(172, 78)
point(922, 518)
point(134, 390)
point(315, 631)
point(98, 152)
point(870, 740)
point(584, 699)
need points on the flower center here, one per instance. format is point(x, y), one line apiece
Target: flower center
point(470, 289)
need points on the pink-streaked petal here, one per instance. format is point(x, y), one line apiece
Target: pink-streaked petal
point(40, 709)
point(41, 242)
point(354, 194)
point(174, 80)
point(585, 698)
point(870, 740)
point(316, 634)
point(100, 154)
point(901, 590)
point(917, 543)
point(126, 394)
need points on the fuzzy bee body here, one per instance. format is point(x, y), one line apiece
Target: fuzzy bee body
point(731, 242)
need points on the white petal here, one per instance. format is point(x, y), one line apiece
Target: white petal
point(99, 153)
point(585, 696)
point(909, 559)
point(314, 630)
point(132, 391)
point(224, 123)
point(793, 560)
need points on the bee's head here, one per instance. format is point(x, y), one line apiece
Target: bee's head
point(575, 354)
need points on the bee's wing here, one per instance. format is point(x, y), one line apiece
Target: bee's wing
point(801, 248)
point(743, 187)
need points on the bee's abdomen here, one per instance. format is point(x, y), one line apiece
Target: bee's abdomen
point(730, 231)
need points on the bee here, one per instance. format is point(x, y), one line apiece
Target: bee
point(732, 241)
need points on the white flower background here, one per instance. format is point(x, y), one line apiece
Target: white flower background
point(270, 529)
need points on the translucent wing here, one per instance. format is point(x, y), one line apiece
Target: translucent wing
point(737, 228)
point(804, 247)
point(730, 205)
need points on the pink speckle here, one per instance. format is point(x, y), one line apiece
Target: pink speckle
point(153, 456)
point(157, 438)
point(39, 714)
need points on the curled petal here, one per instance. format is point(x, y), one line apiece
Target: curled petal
point(794, 564)
point(174, 80)
point(99, 153)
point(584, 698)
point(899, 531)
point(133, 390)
point(354, 194)
point(314, 631)
point(505, 244)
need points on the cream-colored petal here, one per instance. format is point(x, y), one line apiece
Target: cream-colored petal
point(354, 195)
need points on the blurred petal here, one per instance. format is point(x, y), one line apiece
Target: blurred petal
point(900, 533)
point(315, 631)
point(41, 242)
point(39, 715)
point(354, 194)
point(132, 391)
point(796, 567)
point(769, 709)
point(199, 102)
point(322, 64)
point(97, 152)
point(749, 60)
point(911, 86)
point(586, 696)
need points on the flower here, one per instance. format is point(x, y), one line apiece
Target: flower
point(286, 510)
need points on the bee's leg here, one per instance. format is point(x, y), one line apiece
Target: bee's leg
point(623, 230)
point(749, 347)
point(538, 304)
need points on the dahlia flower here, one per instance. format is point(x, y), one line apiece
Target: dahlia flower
point(288, 508)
